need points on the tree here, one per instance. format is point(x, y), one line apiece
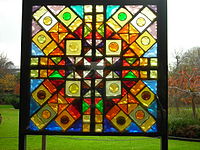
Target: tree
point(184, 79)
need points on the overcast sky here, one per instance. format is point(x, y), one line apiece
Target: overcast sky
point(183, 27)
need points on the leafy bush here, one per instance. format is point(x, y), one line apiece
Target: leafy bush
point(184, 125)
point(10, 99)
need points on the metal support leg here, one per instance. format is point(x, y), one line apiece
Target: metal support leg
point(43, 142)
point(22, 142)
point(164, 136)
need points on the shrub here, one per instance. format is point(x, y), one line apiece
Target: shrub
point(10, 99)
point(184, 125)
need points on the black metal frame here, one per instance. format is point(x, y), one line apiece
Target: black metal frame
point(25, 67)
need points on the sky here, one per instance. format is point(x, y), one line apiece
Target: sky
point(183, 27)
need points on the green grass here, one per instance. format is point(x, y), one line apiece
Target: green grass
point(9, 128)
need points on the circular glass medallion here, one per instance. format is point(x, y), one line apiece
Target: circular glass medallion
point(121, 120)
point(73, 47)
point(46, 114)
point(41, 94)
point(122, 16)
point(73, 88)
point(41, 39)
point(64, 119)
point(139, 114)
point(47, 20)
point(141, 22)
point(67, 16)
point(114, 87)
point(146, 95)
point(113, 46)
point(145, 40)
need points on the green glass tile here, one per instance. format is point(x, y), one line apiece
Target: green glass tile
point(101, 30)
point(122, 16)
point(56, 59)
point(55, 74)
point(99, 106)
point(34, 73)
point(86, 30)
point(85, 106)
point(130, 60)
point(130, 75)
point(34, 61)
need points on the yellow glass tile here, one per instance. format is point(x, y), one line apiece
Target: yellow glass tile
point(43, 73)
point(113, 88)
point(89, 25)
point(50, 48)
point(145, 41)
point(148, 124)
point(143, 62)
point(98, 127)
point(154, 62)
point(136, 49)
point(146, 11)
point(146, 97)
point(39, 13)
point(73, 88)
point(61, 100)
point(141, 22)
point(43, 60)
point(87, 8)
point(39, 123)
point(47, 20)
point(98, 24)
point(99, 8)
point(113, 47)
point(99, 18)
point(86, 118)
point(121, 121)
point(88, 18)
point(67, 16)
point(73, 47)
point(153, 74)
point(75, 24)
point(41, 39)
point(143, 74)
point(65, 120)
point(34, 61)
point(54, 106)
point(34, 73)
point(113, 25)
point(98, 118)
point(137, 87)
point(86, 127)
point(41, 95)
point(122, 16)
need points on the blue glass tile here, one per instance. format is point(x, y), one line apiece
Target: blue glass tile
point(152, 84)
point(133, 128)
point(53, 126)
point(36, 51)
point(35, 83)
point(153, 109)
point(151, 52)
point(108, 127)
point(78, 9)
point(77, 127)
point(153, 129)
point(34, 106)
point(33, 127)
point(111, 9)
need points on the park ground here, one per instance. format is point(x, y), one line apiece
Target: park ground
point(9, 140)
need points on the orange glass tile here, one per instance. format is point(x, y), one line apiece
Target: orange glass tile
point(43, 61)
point(49, 86)
point(137, 87)
point(112, 113)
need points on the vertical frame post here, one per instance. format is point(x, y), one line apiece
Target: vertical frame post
point(163, 87)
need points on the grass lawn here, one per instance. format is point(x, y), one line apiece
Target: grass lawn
point(9, 141)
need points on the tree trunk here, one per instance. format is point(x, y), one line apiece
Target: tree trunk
point(194, 107)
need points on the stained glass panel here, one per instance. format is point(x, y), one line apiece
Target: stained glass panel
point(94, 69)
